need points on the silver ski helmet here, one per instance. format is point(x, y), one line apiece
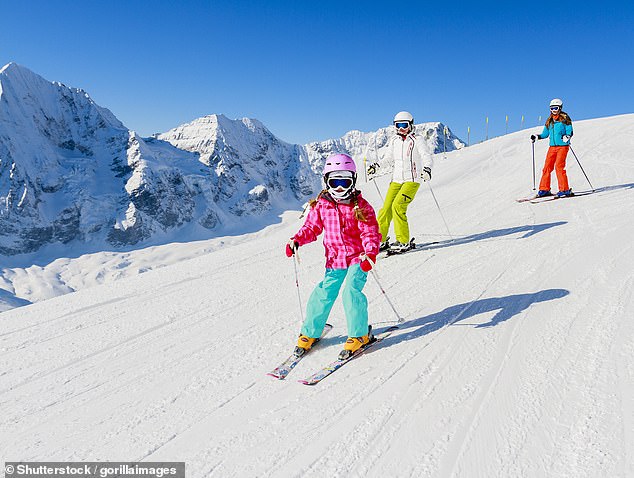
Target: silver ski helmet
point(556, 102)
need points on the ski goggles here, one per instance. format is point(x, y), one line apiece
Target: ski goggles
point(335, 183)
point(402, 125)
point(555, 108)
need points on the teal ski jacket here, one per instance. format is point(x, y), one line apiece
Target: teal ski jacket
point(556, 131)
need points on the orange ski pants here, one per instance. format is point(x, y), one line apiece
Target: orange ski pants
point(555, 159)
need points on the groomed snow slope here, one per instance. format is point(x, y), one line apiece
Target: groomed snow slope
point(516, 360)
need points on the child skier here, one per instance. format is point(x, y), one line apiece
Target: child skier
point(412, 163)
point(559, 128)
point(351, 242)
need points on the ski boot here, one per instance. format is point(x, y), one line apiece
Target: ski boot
point(304, 343)
point(400, 247)
point(385, 245)
point(542, 193)
point(565, 194)
point(355, 343)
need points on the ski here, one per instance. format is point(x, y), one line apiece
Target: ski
point(318, 376)
point(412, 247)
point(424, 245)
point(543, 199)
point(282, 370)
point(537, 199)
point(532, 198)
point(551, 198)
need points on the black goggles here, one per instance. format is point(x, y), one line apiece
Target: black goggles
point(335, 183)
point(402, 125)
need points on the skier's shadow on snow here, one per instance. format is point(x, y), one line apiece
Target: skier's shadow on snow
point(616, 187)
point(529, 230)
point(506, 307)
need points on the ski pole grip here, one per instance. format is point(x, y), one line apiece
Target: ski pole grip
point(364, 257)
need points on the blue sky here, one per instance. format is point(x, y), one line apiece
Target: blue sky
point(313, 70)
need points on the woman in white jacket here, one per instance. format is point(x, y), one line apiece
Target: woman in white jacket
point(412, 164)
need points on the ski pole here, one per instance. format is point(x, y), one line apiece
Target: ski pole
point(533, 165)
point(440, 211)
point(584, 173)
point(299, 297)
point(376, 152)
point(365, 168)
point(400, 319)
point(378, 190)
point(371, 180)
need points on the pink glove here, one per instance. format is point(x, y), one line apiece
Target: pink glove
point(368, 262)
point(291, 248)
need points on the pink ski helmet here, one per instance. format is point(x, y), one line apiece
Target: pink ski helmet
point(340, 162)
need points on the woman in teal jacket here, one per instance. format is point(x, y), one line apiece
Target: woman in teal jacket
point(558, 128)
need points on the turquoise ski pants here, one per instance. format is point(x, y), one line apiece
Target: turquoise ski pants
point(355, 303)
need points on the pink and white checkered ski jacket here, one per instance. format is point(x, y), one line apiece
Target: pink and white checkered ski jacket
point(345, 237)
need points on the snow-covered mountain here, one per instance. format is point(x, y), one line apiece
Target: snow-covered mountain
point(59, 156)
point(70, 172)
point(253, 171)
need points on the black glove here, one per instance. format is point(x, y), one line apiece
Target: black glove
point(534, 137)
point(372, 168)
point(426, 174)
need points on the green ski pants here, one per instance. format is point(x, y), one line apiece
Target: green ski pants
point(398, 197)
point(355, 303)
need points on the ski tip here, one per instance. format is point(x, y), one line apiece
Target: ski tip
point(279, 377)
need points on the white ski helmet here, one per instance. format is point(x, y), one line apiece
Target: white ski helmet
point(403, 116)
point(556, 102)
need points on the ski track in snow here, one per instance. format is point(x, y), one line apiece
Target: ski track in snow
point(516, 358)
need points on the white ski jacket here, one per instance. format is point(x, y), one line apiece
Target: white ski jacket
point(410, 155)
